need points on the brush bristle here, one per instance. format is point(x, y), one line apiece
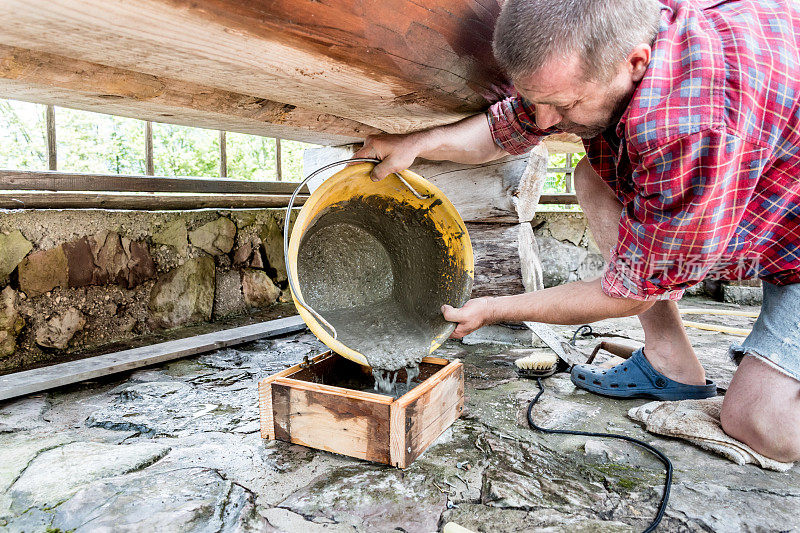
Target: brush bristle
point(537, 362)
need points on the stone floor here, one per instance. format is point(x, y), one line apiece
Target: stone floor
point(176, 448)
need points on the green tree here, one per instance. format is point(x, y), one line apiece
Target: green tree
point(293, 159)
point(22, 136)
point(184, 151)
point(251, 157)
point(106, 144)
point(98, 143)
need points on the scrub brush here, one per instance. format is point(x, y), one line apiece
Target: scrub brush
point(537, 365)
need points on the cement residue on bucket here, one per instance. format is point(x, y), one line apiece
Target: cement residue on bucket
point(379, 271)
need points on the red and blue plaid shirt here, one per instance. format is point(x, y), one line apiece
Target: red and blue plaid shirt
point(706, 158)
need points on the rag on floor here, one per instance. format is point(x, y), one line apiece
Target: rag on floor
point(697, 421)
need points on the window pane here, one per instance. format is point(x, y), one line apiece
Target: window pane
point(292, 159)
point(98, 143)
point(251, 157)
point(556, 182)
point(184, 151)
point(23, 134)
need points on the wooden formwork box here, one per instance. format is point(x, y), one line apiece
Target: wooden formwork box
point(297, 406)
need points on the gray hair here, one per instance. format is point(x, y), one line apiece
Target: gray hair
point(531, 32)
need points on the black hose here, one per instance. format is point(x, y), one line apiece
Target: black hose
point(663, 458)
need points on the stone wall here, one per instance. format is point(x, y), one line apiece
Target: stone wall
point(78, 280)
point(75, 280)
point(566, 248)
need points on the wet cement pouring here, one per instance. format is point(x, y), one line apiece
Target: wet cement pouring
point(386, 381)
point(379, 272)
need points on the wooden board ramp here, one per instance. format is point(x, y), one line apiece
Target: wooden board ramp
point(49, 377)
point(296, 407)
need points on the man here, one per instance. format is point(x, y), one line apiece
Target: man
point(689, 114)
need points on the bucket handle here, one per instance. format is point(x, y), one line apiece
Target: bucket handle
point(292, 286)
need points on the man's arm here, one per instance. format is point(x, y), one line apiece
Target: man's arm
point(467, 141)
point(578, 302)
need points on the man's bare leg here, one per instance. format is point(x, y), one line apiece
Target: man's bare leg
point(667, 346)
point(767, 418)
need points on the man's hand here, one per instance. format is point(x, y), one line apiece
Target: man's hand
point(475, 314)
point(578, 302)
point(397, 153)
point(467, 141)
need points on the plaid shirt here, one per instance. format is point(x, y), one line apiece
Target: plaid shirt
point(706, 157)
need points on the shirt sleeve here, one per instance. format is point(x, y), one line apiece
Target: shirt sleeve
point(691, 194)
point(512, 125)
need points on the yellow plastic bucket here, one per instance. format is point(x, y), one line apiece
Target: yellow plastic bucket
point(371, 263)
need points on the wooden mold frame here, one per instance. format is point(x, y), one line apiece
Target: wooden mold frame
point(294, 408)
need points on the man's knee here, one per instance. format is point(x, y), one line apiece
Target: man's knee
point(771, 426)
point(592, 191)
point(584, 176)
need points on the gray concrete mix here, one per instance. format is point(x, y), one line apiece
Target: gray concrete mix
point(176, 448)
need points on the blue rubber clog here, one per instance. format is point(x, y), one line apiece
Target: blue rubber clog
point(636, 378)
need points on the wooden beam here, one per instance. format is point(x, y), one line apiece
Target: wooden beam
point(25, 180)
point(562, 198)
point(50, 377)
point(569, 175)
point(142, 201)
point(505, 190)
point(223, 155)
point(49, 78)
point(52, 146)
point(149, 163)
point(396, 65)
point(498, 268)
point(278, 160)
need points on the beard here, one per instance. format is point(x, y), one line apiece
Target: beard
point(615, 109)
point(584, 131)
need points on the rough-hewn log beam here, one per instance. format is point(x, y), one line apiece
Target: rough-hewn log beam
point(53, 79)
point(497, 200)
point(506, 190)
point(397, 65)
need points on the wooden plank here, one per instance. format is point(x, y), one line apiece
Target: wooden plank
point(397, 436)
point(569, 199)
point(433, 410)
point(331, 389)
point(24, 180)
point(143, 201)
point(321, 419)
point(39, 379)
point(265, 395)
point(421, 437)
point(436, 360)
point(424, 388)
point(50, 78)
